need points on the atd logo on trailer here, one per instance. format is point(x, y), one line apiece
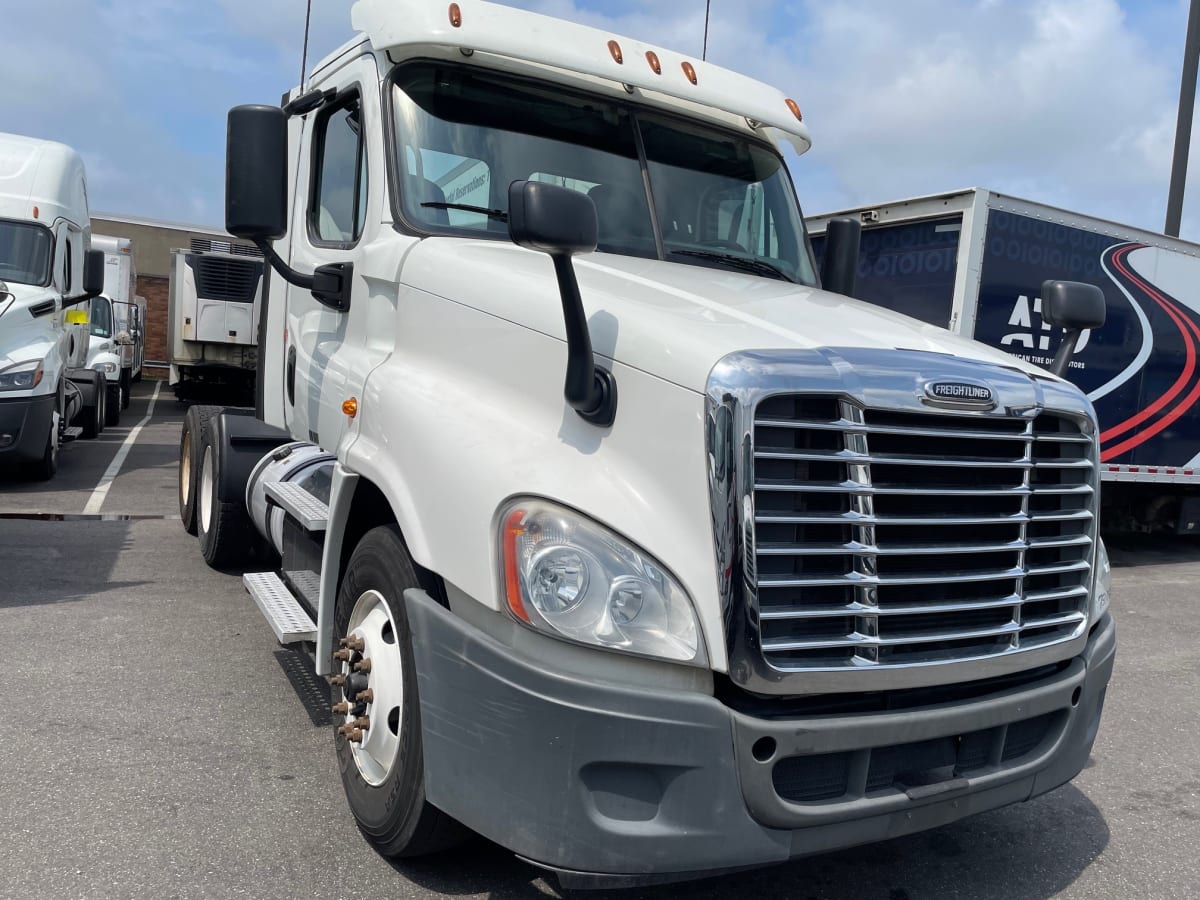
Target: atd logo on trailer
point(1036, 337)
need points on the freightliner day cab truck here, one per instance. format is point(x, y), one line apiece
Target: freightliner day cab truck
point(645, 562)
point(47, 395)
point(974, 260)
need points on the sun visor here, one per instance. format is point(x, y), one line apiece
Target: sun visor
point(516, 34)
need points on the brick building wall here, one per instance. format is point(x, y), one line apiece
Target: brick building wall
point(155, 290)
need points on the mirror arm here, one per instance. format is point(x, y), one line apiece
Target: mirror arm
point(1066, 350)
point(590, 389)
point(286, 272)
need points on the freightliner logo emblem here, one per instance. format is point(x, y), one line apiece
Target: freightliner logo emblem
point(961, 393)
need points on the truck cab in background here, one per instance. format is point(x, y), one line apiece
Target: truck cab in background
point(621, 541)
point(46, 271)
point(117, 320)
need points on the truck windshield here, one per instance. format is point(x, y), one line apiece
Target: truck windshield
point(25, 252)
point(664, 188)
point(100, 317)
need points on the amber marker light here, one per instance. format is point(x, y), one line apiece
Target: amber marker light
point(615, 49)
point(690, 71)
point(652, 58)
point(455, 15)
point(35, 212)
point(795, 108)
point(513, 529)
point(350, 407)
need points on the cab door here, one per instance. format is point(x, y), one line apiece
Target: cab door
point(334, 203)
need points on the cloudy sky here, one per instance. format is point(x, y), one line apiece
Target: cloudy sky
point(1070, 102)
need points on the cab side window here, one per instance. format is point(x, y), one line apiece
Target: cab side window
point(338, 199)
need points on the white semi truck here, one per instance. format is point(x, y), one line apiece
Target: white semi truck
point(47, 396)
point(622, 541)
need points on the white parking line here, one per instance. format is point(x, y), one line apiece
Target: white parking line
point(110, 474)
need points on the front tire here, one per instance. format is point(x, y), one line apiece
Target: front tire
point(126, 382)
point(383, 773)
point(114, 402)
point(92, 417)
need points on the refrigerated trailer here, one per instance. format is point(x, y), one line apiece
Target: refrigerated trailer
point(974, 261)
point(213, 313)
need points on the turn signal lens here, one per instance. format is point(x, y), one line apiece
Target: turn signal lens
point(514, 529)
point(350, 407)
point(652, 58)
point(615, 49)
point(795, 108)
point(690, 71)
point(455, 15)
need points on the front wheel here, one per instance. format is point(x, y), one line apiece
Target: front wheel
point(114, 402)
point(378, 740)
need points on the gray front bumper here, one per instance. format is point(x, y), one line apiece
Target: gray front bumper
point(26, 421)
point(611, 785)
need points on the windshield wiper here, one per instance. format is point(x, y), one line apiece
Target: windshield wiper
point(760, 266)
point(498, 214)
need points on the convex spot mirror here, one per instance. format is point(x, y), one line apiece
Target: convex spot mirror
point(256, 173)
point(552, 219)
point(1072, 305)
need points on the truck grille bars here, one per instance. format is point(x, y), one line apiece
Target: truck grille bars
point(872, 537)
point(888, 538)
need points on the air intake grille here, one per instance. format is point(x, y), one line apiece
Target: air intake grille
point(222, 278)
point(885, 538)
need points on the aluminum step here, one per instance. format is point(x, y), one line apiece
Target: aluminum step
point(71, 433)
point(299, 504)
point(283, 613)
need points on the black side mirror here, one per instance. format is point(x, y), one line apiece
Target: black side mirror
point(93, 274)
point(839, 264)
point(256, 173)
point(1072, 306)
point(256, 198)
point(562, 223)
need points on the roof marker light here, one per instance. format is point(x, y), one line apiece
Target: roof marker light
point(795, 108)
point(652, 58)
point(690, 71)
point(35, 212)
point(350, 407)
point(455, 15)
point(615, 49)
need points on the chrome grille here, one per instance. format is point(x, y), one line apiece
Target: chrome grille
point(898, 538)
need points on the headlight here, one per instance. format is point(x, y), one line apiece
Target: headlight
point(21, 377)
point(1102, 591)
point(107, 368)
point(573, 578)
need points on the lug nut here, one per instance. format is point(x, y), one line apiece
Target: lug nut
point(363, 665)
point(352, 642)
point(355, 736)
point(367, 696)
point(344, 730)
point(337, 680)
point(343, 655)
point(363, 722)
point(341, 709)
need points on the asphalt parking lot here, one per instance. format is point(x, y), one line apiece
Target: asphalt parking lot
point(160, 743)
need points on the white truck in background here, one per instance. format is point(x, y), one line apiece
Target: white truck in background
point(117, 323)
point(215, 297)
point(652, 561)
point(47, 396)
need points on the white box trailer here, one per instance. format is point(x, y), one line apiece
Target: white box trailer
point(216, 292)
point(974, 261)
point(117, 325)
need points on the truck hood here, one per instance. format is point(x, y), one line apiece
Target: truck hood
point(669, 319)
point(23, 337)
